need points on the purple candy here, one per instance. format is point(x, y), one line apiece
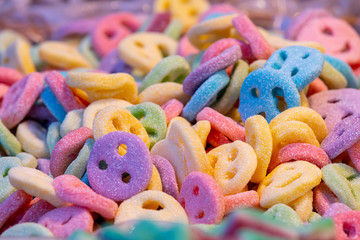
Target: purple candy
point(345, 134)
point(44, 165)
point(167, 175)
point(80, 27)
point(112, 63)
point(336, 208)
point(116, 176)
point(194, 80)
point(336, 105)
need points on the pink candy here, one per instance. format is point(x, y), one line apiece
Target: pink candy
point(241, 200)
point(347, 225)
point(216, 138)
point(336, 208)
point(9, 76)
point(172, 109)
point(70, 189)
point(36, 211)
point(354, 154)
point(323, 198)
point(185, 48)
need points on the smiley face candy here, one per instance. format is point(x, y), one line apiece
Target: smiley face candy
point(119, 176)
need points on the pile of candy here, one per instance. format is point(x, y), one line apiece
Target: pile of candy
point(195, 116)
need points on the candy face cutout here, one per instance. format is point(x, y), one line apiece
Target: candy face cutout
point(115, 176)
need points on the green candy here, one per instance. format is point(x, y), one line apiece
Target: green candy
point(153, 119)
point(232, 92)
point(321, 229)
point(284, 214)
point(6, 163)
point(171, 69)
point(86, 50)
point(314, 217)
point(78, 166)
point(9, 142)
point(174, 29)
point(253, 235)
point(28, 229)
point(344, 182)
point(80, 235)
point(53, 135)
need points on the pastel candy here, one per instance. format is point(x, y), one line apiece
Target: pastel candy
point(316, 86)
point(63, 221)
point(241, 200)
point(32, 137)
point(347, 225)
point(185, 48)
point(27, 160)
point(354, 154)
point(112, 63)
point(202, 129)
point(19, 99)
point(336, 208)
point(174, 29)
point(170, 69)
point(344, 69)
point(303, 206)
point(158, 22)
point(6, 164)
point(332, 77)
point(302, 64)
point(8, 141)
point(155, 181)
point(258, 93)
point(27, 230)
point(72, 121)
point(205, 95)
point(119, 176)
point(284, 214)
point(167, 175)
point(323, 198)
point(53, 135)
point(36, 211)
point(172, 109)
point(210, 209)
point(43, 165)
point(70, 189)
point(17, 56)
point(151, 205)
point(66, 150)
point(344, 182)
point(52, 104)
point(85, 49)
point(35, 183)
point(9, 76)
point(216, 138)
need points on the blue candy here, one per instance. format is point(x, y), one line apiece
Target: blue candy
point(259, 90)
point(216, 15)
point(302, 64)
point(205, 95)
point(85, 179)
point(344, 69)
point(53, 104)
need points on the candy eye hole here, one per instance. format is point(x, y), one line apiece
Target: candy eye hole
point(332, 101)
point(109, 34)
point(103, 165)
point(200, 215)
point(139, 44)
point(276, 66)
point(122, 149)
point(341, 132)
point(153, 205)
point(283, 56)
point(346, 48)
point(6, 172)
point(262, 114)
point(255, 92)
point(327, 31)
point(196, 191)
point(125, 177)
point(294, 72)
point(306, 55)
point(66, 221)
point(347, 115)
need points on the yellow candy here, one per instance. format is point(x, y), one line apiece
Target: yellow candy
point(292, 132)
point(151, 205)
point(81, 94)
point(256, 65)
point(183, 148)
point(27, 160)
point(18, 56)
point(102, 86)
point(187, 12)
point(145, 50)
point(203, 34)
point(155, 181)
point(35, 183)
point(114, 118)
point(235, 163)
point(258, 135)
point(95, 107)
point(332, 77)
point(305, 115)
point(7, 37)
point(162, 92)
point(303, 99)
point(287, 182)
point(303, 206)
point(202, 129)
point(235, 115)
point(62, 55)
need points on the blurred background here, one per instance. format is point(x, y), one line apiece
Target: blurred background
point(38, 19)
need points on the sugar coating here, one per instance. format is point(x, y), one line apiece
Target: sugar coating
point(344, 69)
point(160, 93)
point(32, 137)
point(66, 150)
point(63, 221)
point(241, 200)
point(106, 167)
point(223, 124)
point(27, 160)
point(343, 35)
point(354, 154)
point(210, 209)
point(145, 205)
point(347, 220)
point(343, 181)
point(235, 163)
point(183, 148)
point(120, 24)
point(36, 211)
point(150, 54)
point(302, 152)
point(218, 8)
point(53, 135)
point(202, 129)
point(44, 165)
point(258, 135)
point(205, 95)
point(52, 104)
point(8, 141)
point(27, 230)
point(198, 76)
point(288, 182)
point(167, 175)
point(332, 77)
point(284, 214)
point(95, 107)
point(16, 202)
point(345, 134)
point(19, 98)
point(336, 208)
point(170, 69)
point(70, 189)
point(62, 55)
point(303, 206)
point(323, 198)
point(218, 47)
point(35, 183)
point(316, 86)
point(172, 109)
point(6, 164)
point(73, 120)
point(216, 139)
point(112, 63)
point(155, 181)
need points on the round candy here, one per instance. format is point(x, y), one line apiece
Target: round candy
point(347, 225)
point(17, 56)
point(151, 205)
point(24, 230)
point(202, 199)
point(119, 176)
